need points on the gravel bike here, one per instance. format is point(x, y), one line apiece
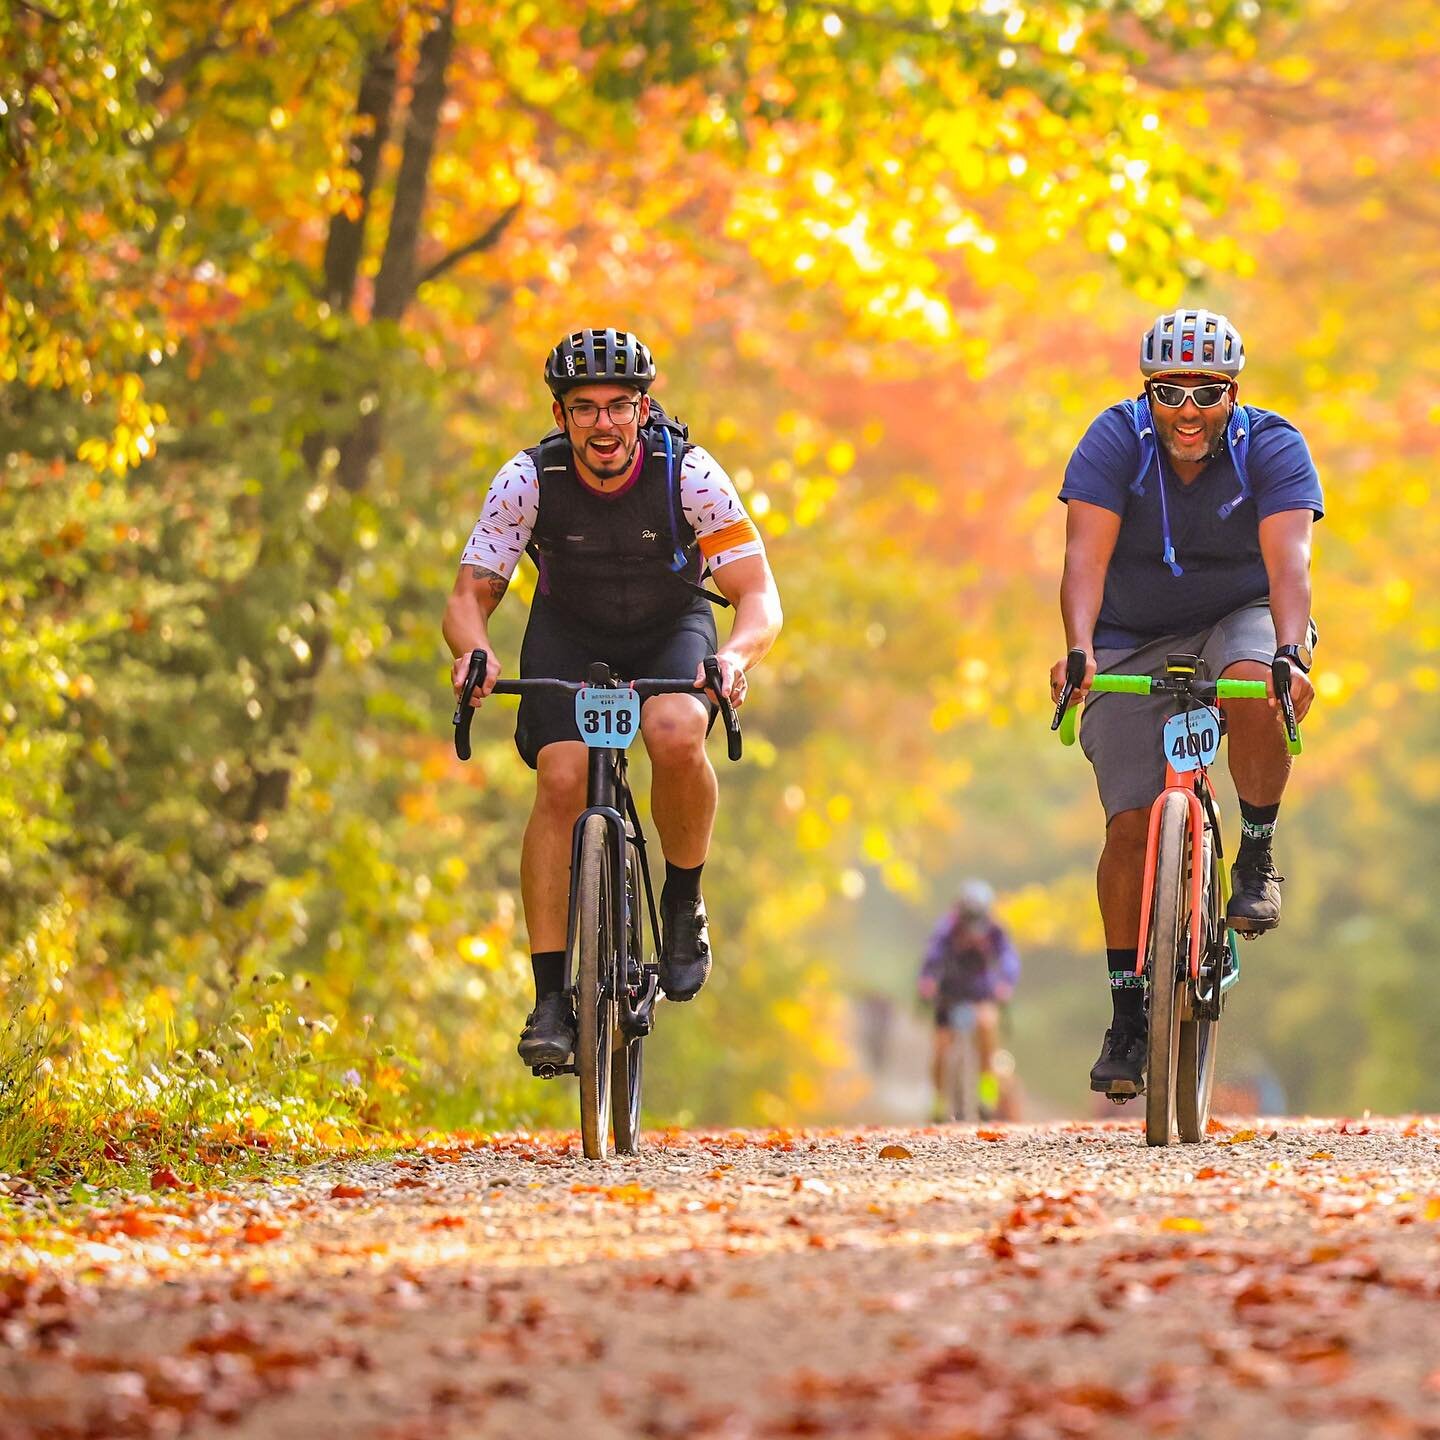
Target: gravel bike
point(614, 987)
point(1187, 954)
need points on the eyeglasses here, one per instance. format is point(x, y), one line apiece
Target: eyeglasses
point(1172, 397)
point(619, 412)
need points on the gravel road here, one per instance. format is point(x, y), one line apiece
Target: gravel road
point(1027, 1281)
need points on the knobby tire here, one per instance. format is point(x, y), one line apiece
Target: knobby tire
point(595, 1008)
point(1166, 959)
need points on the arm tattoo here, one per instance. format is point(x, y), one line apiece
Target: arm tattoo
point(498, 583)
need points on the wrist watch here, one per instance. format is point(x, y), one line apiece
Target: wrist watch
point(1301, 655)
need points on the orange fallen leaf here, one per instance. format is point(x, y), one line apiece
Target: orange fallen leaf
point(258, 1232)
point(1322, 1155)
point(1432, 1208)
point(630, 1194)
point(1215, 1127)
point(896, 1152)
point(1185, 1223)
point(1209, 1172)
point(989, 1134)
point(1239, 1137)
point(347, 1192)
point(444, 1222)
point(166, 1179)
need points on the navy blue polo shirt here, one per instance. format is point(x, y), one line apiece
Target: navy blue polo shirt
point(1221, 560)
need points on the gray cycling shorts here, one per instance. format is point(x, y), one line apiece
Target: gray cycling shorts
point(1120, 734)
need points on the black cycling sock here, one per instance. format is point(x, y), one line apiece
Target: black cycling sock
point(1127, 989)
point(1257, 829)
point(549, 970)
point(682, 884)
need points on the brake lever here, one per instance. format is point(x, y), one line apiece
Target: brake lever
point(1075, 663)
point(1280, 679)
point(715, 682)
point(464, 711)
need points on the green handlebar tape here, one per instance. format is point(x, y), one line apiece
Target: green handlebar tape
point(1296, 745)
point(1069, 724)
point(1240, 689)
point(1124, 684)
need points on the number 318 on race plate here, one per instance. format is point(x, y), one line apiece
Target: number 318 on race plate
point(607, 718)
point(1192, 739)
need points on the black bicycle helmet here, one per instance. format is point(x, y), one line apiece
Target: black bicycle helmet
point(591, 357)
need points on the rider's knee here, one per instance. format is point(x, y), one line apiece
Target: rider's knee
point(674, 733)
point(561, 774)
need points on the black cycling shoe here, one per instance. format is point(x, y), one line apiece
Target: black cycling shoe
point(1254, 896)
point(549, 1034)
point(1120, 1070)
point(685, 964)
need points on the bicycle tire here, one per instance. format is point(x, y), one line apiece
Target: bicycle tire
point(594, 1005)
point(1166, 957)
point(628, 1057)
point(1200, 1038)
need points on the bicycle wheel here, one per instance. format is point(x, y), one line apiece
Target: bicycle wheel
point(1165, 962)
point(1200, 1038)
point(594, 1005)
point(627, 1058)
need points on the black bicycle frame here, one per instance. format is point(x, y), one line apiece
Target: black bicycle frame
point(608, 796)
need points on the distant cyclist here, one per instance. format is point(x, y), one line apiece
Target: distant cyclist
point(622, 516)
point(969, 971)
point(1188, 531)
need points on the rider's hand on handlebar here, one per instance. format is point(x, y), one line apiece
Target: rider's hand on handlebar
point(1302, 692)
point(732, 676)
point(1057, 680)
point(461, 668)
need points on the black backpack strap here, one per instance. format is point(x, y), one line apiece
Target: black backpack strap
point(550, 455)
point(673, 453)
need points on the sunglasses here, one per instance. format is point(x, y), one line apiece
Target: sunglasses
point(1172, 397)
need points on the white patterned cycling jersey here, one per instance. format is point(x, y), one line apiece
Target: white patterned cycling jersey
point(712, 506)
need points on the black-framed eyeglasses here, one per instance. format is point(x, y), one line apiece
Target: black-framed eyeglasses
point(1172, 397)
point(586, 413)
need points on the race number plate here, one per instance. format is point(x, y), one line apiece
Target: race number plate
point(1192, 739)
point(607, 718)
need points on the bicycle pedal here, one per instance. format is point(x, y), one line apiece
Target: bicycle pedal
point(549, 1072)
point(1119, 1099)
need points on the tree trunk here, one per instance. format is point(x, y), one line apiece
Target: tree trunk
point(291, 693)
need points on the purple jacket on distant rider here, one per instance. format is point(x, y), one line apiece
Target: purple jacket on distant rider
point(967, 963)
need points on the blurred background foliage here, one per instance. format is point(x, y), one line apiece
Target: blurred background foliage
point(277, 282)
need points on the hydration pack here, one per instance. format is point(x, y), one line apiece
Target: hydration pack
point(1237, 437)
point(664, 439)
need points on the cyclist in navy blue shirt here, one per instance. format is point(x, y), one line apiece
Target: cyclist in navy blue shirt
point(1188, 530)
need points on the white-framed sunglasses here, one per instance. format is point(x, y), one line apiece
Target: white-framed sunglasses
point(1172, 397)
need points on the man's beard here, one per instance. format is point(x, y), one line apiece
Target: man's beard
point(1214, 443)
point(606, 469)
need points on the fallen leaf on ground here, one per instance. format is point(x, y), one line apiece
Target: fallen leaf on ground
point(347, 1192)
point(1187, 1224)
point(896, 1152)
